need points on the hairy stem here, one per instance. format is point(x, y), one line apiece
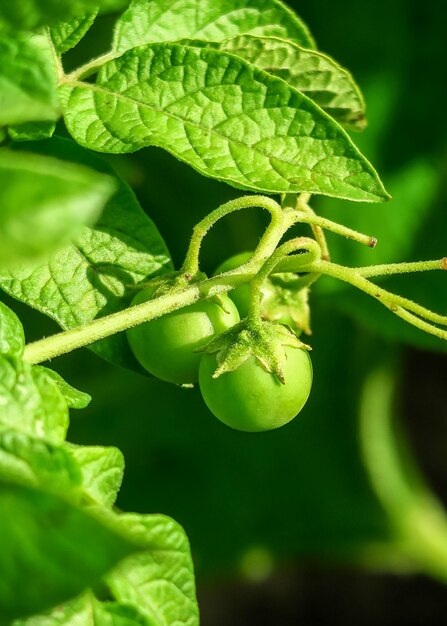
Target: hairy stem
point(311, 253)
point(401, 268)
point(302, 217)
point(318, 232)
point(403, 307)
point(69, 340)
point(267, 244)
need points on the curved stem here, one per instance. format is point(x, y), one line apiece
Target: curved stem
point(416, 321)
point(97, 329)
point(268, 243)
point(320, 237)
point(306, 280)
point(302, 204)
point(316, 220)
point(312, 253)
point(403, 307)
point(69, 340)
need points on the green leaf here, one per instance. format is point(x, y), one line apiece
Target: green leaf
point(74, 398)
point(37, 463)
point(31, 131)
point(315, 74)
point(56, 547)
point(65, 35)
point(102, 471)
point(148, 21)
point(88, 611)
point(45, 202)
point(154, 588)
point(222, 116)
point(160, 580)
point(96, 274)
point(12, 337)
point(28, 79)
point(31, 14)
point(31, 402)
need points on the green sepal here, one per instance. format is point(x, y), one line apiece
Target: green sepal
point(263, 340)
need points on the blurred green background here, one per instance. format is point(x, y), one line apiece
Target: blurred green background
point(286, 527)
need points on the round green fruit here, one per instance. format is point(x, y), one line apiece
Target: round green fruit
point(166, 347)
point(252, 399)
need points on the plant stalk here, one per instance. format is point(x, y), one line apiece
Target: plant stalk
point(104, 327)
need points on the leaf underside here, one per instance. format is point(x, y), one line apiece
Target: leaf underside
point(149, 21)
point(316, 75)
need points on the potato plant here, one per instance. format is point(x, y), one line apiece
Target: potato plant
point(239, 92)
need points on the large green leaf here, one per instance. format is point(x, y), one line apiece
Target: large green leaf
point(147, 21)
point(155, 587)
point(12, 337)
point(44, 202)
point(159, 581)
point(94, 275)
point(31, 402)
point(30, 14)
point(56, 548)
point(28, 79)
point(222, 116)
point(311, 72)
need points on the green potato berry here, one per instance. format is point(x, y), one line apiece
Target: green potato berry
point(252, 399)
point(167, 346)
